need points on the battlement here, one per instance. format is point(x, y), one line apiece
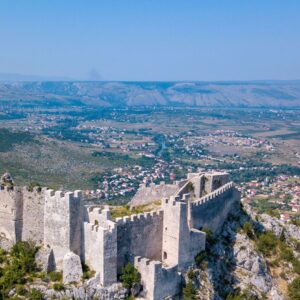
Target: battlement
point(61, 196)
point(9, 188)
point(160, 282)
point(100, 244)
point(213, 194)
point(35, 189)
point(146, 263)
point(97, 228)
point(176, 200)
point(139, 217)
point(100, 219)
point(11, 202)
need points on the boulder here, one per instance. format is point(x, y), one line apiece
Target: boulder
point(45, 259)
point(292, 231)
point(72, 269)
point(272, 224)
point(94, 281)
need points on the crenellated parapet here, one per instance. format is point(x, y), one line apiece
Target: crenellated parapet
point(181, 242)
point(63, 218)
point(213, 195)
point(139, 235)
point(11, 213)
point(100, 245)
point(11, 202)
point(212, 210)
point(140, 218)
point(159, 282)
point(33, 214)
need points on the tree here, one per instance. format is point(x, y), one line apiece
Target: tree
point(130, 276)
point(189, 291)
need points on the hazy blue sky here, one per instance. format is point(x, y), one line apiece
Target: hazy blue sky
point(151, 40)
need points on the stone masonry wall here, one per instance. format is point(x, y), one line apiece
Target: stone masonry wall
point(100, 245)
point(62, 224)
point(11, 210)
point(139, 235)
point(154, 192)
point(180, 242)
point(159, 282)
point(212, 210)
point(33, 215)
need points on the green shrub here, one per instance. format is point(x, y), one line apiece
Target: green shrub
point(191, 274)
point(294, 289)
point(267, 243)
point(23, 254)
point(200, 257)
point(296, 266)
point(248, 229)
point(20, 289)
point(41, 275)
point(130, 276)
point(55, 276)
point(189, 291)
point(57, 286)
point(87, 273)
point(286, 253)
point(35, 294)
point(210, 239)
point(238, 295)
point(17, 267)
point(2, 256)
point(190, 187)
point(33, 185)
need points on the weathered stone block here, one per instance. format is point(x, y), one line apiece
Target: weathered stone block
point(72, 269)
point(45, 259)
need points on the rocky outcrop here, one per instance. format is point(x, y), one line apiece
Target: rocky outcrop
point(86, 291)
point(235, 264)
point(251, 265)
point(278, 227)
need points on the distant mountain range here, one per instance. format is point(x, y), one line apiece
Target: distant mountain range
point(187, 93)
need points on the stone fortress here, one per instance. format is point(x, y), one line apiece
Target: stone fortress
point(161, 244)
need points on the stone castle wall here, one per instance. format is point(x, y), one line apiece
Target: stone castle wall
point(139, 235)
point(33, 214)
point(11, 213)
point(63, 217)
point(100, 245)
point(212, 210)
point(181, 242)
point(160, 243)
point(159, 282)
point(148, 194)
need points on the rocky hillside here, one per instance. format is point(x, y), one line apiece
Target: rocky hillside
point(211, 94)
point(254, 257)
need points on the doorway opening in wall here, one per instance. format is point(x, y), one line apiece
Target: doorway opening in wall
point(165, 255)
